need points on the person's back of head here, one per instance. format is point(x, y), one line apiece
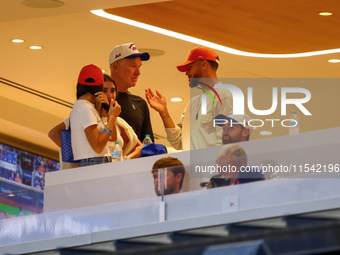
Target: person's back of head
point(90, 80)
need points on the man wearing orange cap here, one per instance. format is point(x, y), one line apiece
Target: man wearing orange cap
point(195, 129)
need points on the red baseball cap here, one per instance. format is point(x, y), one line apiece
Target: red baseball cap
point(197, 54)
point(91, 75)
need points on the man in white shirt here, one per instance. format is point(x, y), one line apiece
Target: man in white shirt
point(195, 129)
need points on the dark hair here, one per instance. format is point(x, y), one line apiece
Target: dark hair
point(171, 163)
point(83, 89)
point(213, 64)
point(108, 78)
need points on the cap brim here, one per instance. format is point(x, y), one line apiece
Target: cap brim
point(224, 117)
point(220, 117)
point(144, 56)
point(184, 67)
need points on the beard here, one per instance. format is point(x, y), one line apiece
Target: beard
point(167, 191)
point(197, 74)
point(226, 139)
point(235, 138)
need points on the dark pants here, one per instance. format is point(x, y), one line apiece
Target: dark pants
point(95, 161)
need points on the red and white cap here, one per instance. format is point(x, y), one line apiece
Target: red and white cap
point(127, 50)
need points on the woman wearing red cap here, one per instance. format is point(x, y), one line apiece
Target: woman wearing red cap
point(125, 135)
point(89, 134)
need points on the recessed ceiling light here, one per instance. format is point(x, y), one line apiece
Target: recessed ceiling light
point(266, 133)
point(176, 99)
point(325, 13)
point(17, 40)
point(42, 3)
point(35, 47)
point(334, 60)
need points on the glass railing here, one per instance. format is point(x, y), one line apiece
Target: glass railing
point(139, 194)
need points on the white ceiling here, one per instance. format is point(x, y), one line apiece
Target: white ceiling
point(71, 37)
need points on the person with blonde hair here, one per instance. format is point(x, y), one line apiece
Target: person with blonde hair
point(232, 161)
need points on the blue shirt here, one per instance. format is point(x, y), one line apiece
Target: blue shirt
point(252, 176)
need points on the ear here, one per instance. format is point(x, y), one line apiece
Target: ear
point(245, 132)
point(204, 63)
point(179, 177)
point(114, 66)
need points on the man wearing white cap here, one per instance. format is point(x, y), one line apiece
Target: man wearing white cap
point(236, 128)
point(125, 63)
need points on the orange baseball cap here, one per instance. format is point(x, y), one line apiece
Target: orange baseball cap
point(197, 54)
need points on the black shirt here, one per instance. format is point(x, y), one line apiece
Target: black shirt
point(135, 111)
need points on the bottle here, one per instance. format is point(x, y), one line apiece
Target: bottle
point(147, 140)
point(294, 126)
point(117, 153)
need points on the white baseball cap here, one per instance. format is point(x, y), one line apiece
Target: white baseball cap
point(242, 119)
point(127, 50)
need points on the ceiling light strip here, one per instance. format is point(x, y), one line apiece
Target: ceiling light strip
point(334, 60)
point(219, 47)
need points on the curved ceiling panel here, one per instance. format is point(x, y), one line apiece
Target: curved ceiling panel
point(262, 26)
